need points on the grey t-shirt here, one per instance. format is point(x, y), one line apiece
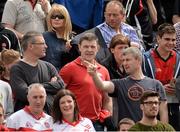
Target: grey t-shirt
point(128, 93)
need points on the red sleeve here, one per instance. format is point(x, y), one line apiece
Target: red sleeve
point(107, 76)
point(65, 73)
point(3, 128)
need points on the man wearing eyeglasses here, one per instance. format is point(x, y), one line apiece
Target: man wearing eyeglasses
point(149, 104)
point(33, 70)
point(25, 15)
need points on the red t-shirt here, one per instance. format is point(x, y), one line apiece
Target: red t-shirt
point(78, 80)
point(165, 69)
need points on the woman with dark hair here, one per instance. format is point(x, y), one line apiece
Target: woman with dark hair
point(65, 113)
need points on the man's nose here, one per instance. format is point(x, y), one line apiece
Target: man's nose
point(89, 48)
point(45, 45)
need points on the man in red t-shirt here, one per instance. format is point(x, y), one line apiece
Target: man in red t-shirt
point(91, 101)
point(163, 63)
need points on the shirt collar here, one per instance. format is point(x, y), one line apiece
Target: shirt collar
point(159, 56)
point(79, 62)
point(37, 117)
point(73, 123)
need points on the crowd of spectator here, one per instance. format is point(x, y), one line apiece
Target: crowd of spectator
point(89, 65)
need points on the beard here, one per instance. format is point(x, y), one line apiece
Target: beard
point(151, 116)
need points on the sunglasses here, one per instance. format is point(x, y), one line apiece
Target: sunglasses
point(57, 16)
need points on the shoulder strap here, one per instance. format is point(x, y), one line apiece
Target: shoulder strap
point(100, 37)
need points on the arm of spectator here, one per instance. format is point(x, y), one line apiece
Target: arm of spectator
point(45, 5)
point(53, 87)
point(176, 12)
point(19, 35)
point(18, 84)
point(170, 89)
point(68, 45)
point(107, 102)
point(163, 111)
point(9, 108)
point(152, 11)
point(176, 19)
point(55, 83)
point(106, 86)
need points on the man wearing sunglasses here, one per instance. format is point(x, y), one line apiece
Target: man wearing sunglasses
point(149, 104)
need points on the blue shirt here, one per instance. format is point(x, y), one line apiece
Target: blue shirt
point(108, 32)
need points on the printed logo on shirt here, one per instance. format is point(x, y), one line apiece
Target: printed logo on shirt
point(86, 130)
point(135, 92)
point(29, 125)
point(158, 70)
point(47, 124)
point(88, 126)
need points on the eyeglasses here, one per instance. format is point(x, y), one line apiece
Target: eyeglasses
point(57, 16)
point(150, 103)
point(39, 43)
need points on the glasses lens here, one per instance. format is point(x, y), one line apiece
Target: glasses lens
point(152, 103)
point(57, 16)
point(39, 43)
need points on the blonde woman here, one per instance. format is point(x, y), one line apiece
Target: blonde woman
point(58, 37)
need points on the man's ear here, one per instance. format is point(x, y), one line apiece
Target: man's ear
point(112, 50)
point(98, 47)
point(158, 38)
point(27, 97)
point(141, 107)
point(30, 46)
point(79, 46)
